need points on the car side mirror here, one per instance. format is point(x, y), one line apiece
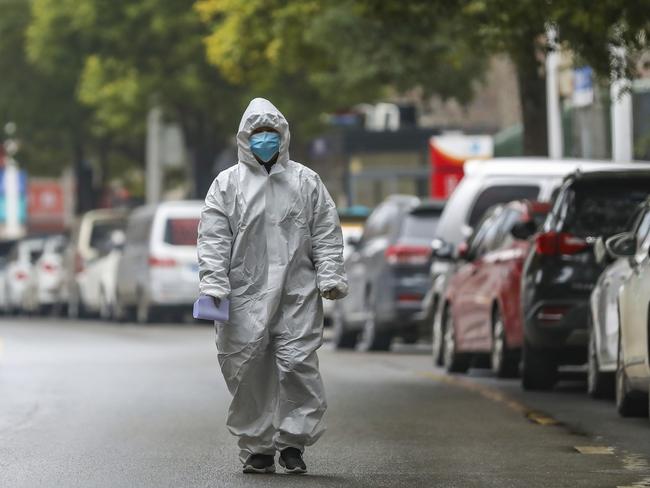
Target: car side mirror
point(523, 230)
point(621, 245)
point(441, 249)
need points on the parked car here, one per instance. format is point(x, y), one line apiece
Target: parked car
point(561, 270)
point(485, 184)
point(5, 249)
point(387, 275)
point(98, 282)
point(20, 264)
point(602, 352)
point(352, 221)
point(482, 312)
point(632, 367)
point(43, 290)
point(90, 231)
point(158, 270)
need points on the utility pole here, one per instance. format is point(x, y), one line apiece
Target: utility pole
point(553, 108)
point(621, 113)
point(153, 173)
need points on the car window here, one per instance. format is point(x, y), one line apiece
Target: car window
point(603, 208)
point(494, 195)
point(102, 229)
point(182, 231)
point(420, 226)
point(379, 222)
point(138, 230)
point(55, 245)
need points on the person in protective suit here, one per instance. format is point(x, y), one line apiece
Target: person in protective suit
point(270, 241)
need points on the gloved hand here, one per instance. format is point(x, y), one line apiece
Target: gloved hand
point(331, 294)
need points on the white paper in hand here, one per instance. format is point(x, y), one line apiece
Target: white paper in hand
point(205, 309)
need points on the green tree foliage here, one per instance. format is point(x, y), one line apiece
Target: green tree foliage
point(591, 29)
point(43, 106)
point(342, 51)
point(359, 49)
point(134, 55)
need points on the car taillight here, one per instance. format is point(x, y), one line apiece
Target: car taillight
point(559, 243)
point(156, 262)
point(20, 275)
point(409, 297)
point(79, 263)
point(404, 254)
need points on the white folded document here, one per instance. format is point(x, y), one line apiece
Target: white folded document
point(205, 309)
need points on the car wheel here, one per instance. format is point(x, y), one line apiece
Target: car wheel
point(143, 311)
point(371, 339)
point(539, 369)
point(454, 361)
point(343, 338)
point(411, 335)
point(504, 361)
point(120, 310)
point(75, 307)
point(105, 308)
point(437, 336)
point(629, 403)
point(599, 384)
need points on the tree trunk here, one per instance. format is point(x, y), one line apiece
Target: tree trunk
point(532, 95)
point(203, 145)
point(85, 192)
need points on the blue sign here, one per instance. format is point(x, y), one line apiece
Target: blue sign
point(583, 86)
point(22, 209)
point(22, 197)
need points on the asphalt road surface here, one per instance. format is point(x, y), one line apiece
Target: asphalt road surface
point(86, 404)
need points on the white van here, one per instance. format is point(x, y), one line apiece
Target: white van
point(158, 269)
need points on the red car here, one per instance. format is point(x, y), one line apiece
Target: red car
point(482, 312)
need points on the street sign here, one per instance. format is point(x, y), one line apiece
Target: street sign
point(46, 207)
point(448, 153)
point(583, 87)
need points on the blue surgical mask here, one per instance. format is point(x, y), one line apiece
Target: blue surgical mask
point(265, 145)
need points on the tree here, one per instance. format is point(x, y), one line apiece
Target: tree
point(341, 51)
point(43, 107)
point(592, 29)
point(356, 49)
point(134, 56)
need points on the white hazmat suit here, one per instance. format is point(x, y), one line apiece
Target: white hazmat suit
point(270, 243)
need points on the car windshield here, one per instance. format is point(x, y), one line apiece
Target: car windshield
point(500, 194)
point(420, 226)
point(102, 229)
point(182, 231)
point(603, 208)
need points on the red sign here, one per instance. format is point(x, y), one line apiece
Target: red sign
point(46, 205)
point(448, 154)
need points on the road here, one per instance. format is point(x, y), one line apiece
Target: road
point(86, 404)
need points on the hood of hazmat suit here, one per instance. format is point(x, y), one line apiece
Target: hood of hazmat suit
point(270, 242)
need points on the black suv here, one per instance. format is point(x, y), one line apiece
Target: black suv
point(561, 269)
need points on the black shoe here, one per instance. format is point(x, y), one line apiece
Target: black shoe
point(260, 464)
point(291, 461)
